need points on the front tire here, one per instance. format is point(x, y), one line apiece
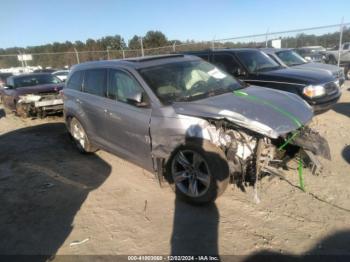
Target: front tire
point(80, 138)
point(22, 110)
point(198, 172)
point(332, 60)
point(347, 72)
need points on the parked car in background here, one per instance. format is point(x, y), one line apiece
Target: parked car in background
point(331, 57)
point(61, 74)
point(33, 94)
point(186, 120)
point(332, 54)
point(320, 89)
point(289, 58)
point(312, 53)
point(3, 77)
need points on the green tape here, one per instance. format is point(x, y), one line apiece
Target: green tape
point(294, 119)
point(301, 178)
point(288, 140)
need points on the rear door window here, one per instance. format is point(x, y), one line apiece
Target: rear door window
point(95, 82)
point(76, 81)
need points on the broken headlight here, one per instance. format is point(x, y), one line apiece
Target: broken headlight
point(29, 98)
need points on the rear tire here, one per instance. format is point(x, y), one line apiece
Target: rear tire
point(198, 172)
point(80, 138)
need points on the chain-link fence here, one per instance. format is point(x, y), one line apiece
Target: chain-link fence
point(325, 36)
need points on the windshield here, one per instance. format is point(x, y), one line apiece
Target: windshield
point(33, 80)
point(290, 58)
point(256, 61)
point(188, 81)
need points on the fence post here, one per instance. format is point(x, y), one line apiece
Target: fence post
point(340, 39)
point(25, 61)
point(174, 47)
point(19, 52)
point(108, 52)
point(266, 37)
point(123, 53)
point(77, 55)
point(141, 42)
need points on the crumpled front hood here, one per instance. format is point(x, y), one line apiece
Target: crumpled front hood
point(265, 111)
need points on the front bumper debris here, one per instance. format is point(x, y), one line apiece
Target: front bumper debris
point(39, 105)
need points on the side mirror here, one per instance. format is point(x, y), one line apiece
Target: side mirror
point(136, 99)
point(8, 87)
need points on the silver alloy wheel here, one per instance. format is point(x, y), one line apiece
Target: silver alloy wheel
point(190, 173)
point(78, 133)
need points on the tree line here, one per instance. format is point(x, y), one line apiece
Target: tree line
point(112, 47)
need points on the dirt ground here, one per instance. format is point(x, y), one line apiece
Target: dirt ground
point(51, 197)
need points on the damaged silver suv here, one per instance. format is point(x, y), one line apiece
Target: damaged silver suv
point(192, 124)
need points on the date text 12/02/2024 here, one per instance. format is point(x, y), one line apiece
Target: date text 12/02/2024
point(173, 258)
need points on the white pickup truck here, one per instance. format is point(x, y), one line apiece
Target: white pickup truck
point(331, 57)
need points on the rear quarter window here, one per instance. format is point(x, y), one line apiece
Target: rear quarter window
point(76, 80)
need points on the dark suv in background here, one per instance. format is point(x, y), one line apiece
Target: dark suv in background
point(289, 58)
point(320, 89)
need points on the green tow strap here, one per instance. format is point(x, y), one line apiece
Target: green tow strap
point(287, 114)
point(301, 178)
point(288, 140)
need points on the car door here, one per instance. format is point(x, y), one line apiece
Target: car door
point(92, 101)
point(128, 123)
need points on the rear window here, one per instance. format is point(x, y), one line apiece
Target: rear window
point(95, 82)
point(76, 80)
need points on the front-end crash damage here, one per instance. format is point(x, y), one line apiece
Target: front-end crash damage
point(39, 104)
point(250, 152)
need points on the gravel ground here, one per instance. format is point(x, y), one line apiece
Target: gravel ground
point(51, 197)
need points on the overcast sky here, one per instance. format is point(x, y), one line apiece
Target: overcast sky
point(34, 22)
